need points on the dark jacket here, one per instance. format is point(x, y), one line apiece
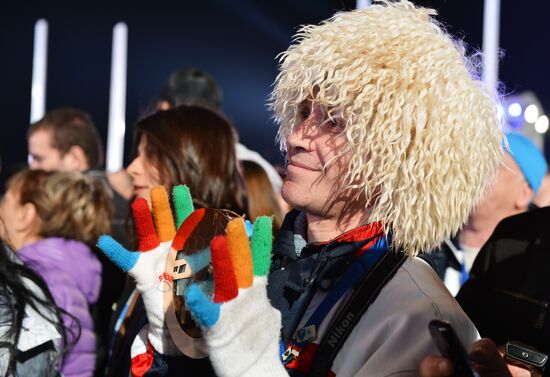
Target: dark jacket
point(508, 293)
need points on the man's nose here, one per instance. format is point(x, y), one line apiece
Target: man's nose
point(298, 137)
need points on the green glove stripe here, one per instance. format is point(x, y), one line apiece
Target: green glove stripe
point(261, 245)
point(183, 204)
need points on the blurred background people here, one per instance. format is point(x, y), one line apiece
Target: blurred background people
point(542, 199)
point(64, 140)
point(262, 198)
point(512, 191)
point(67, 140)
point(191, 86)
point(48, 220)
point(31, 328)
point(508, 292)
point(189, 145)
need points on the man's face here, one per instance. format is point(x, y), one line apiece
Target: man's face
point(313, 176)
point(42, 155)
point(509, 194)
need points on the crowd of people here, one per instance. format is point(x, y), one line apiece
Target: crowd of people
point(405, 203)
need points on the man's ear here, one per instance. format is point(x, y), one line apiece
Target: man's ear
point(75, 159)
point(525, 196)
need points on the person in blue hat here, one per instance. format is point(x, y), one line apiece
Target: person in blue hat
point(512, 191)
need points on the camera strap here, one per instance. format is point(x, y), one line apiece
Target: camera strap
point(353, 310)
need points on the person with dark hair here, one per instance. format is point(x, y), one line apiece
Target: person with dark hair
point(189, 145)
point(31, 328)
point(189, 86)
point(65, 139)
point(49, 218)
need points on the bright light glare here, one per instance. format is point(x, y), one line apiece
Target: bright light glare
point(531, 114)
point(541, 125)
point(514, 109)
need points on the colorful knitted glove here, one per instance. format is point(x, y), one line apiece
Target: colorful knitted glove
point(147, 265)
point(240, 326)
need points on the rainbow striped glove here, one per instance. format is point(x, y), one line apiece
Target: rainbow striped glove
point(147, 265)
point(240, 326)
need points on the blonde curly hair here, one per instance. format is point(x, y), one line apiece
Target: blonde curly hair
point(423, 134)
point(70, 205)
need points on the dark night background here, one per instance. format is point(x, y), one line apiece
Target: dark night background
point(235, 41)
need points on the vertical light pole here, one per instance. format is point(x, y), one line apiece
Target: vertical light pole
point(117, 101)
point(491, 29)
point(361, 4)
point(39, 70)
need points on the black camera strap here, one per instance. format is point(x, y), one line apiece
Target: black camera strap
point(366, 292)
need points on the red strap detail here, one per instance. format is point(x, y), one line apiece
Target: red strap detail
point(225, 281)
point(141, 363)
point(187, 227)
point(303, 361)
point(357, 234)
point(146, 233)
point(165, 276)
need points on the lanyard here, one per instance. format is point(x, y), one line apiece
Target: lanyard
point(352, 275)
point(118, 324)
point(464, 274)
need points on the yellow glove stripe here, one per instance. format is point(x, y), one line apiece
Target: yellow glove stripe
point(239, 250)
point(162, 214)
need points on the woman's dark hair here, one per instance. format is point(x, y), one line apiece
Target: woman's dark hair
point(16, 295)
point(195, 146)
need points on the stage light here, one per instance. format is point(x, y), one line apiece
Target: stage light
point(531, 114)
point(514, 109)
point(541, 125)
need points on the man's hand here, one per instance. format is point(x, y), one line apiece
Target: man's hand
point(240, 326)
point(485, 357)
point(147, 265)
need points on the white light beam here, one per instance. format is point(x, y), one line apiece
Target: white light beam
point(117, 101)
point(491, 29)
point(39, 70)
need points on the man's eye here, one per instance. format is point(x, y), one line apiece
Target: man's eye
point(305, 113)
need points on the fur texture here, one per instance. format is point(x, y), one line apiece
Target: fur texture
point(424, 135)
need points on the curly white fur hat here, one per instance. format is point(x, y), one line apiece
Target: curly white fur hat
point(424, 135)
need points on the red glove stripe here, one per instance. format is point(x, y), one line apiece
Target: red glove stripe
point(147, 236)
point(225, 282)
point(140, 364)
point(187, 227)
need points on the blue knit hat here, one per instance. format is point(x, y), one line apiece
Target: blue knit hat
point(529, 158)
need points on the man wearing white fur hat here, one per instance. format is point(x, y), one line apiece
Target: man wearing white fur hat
point(390, 143)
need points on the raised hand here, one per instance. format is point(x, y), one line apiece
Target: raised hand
point(147, 265)
point(240, 326)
